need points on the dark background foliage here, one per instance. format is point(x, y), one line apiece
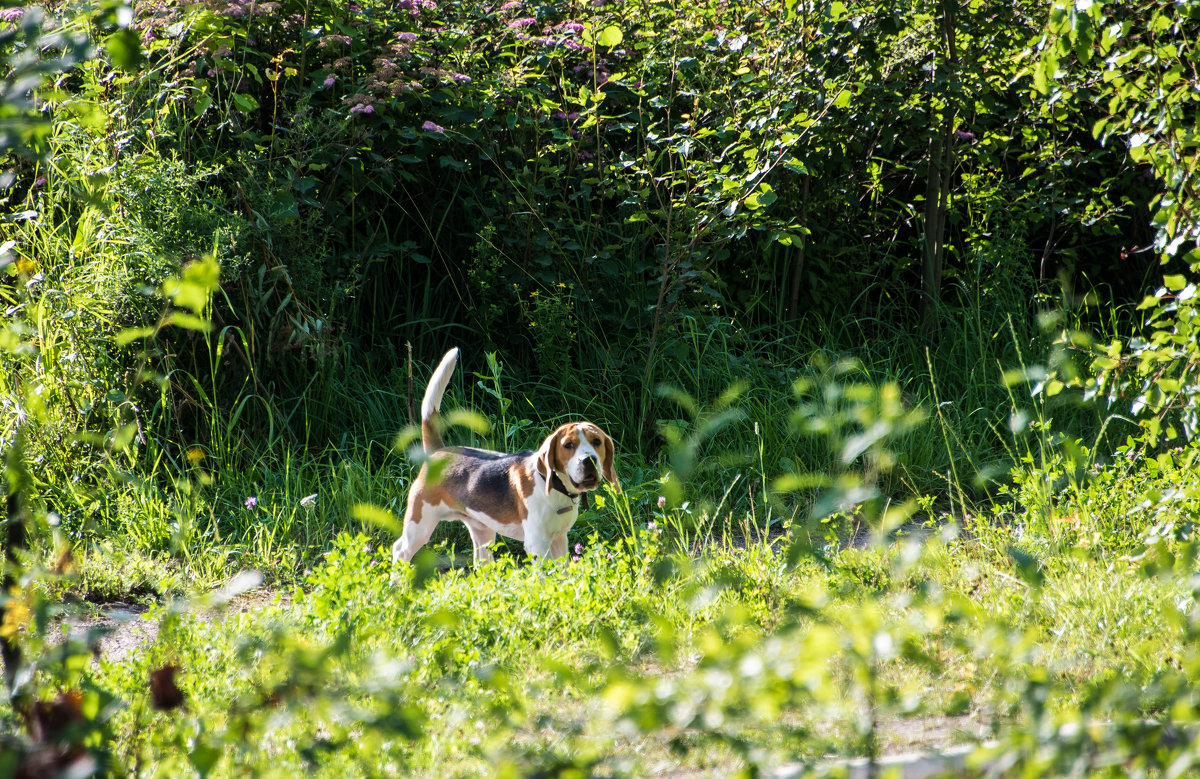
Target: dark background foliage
point(611, 197)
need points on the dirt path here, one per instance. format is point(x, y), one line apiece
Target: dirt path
point(124, 628)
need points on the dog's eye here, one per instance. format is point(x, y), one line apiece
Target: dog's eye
point(569, 445)
point(595, 442)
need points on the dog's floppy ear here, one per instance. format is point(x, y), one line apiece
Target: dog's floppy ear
point(546, 457)
point(606, 466)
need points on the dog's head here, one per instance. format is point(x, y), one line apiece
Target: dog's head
point(580, 453)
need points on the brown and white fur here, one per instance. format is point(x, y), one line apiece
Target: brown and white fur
point(530, 496)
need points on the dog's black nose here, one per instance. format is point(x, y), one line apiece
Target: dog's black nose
point(589, 465)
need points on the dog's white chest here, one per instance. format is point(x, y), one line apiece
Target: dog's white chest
point(553, 510)
point(551, 515)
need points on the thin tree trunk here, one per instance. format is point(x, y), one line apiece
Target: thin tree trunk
point(937, 187)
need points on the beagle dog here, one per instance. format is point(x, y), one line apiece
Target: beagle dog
point(530, 496)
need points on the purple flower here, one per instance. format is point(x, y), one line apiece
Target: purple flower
point(964, 134)
point(414, 6)
point(251, 501)
point(652, 526)
point(330, 80)
point(362, 108)
point(511, 4)
point(574, 558)
point(432, 128)
point(524, 21)
point(662, 501)
point(406, 37)
point(461, 78)
point(39, 183)
point(571, 26)
point(578, 548)
point(11, 14)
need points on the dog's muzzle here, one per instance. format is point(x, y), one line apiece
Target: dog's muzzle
point(589, 473)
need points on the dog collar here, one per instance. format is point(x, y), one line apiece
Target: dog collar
point(557, 483)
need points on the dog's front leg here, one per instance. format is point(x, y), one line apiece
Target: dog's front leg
point(558, 546)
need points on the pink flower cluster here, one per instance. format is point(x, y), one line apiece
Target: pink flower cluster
point(415, 7)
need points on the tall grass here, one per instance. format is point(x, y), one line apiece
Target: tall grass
point(217, 422)
point(183, 494)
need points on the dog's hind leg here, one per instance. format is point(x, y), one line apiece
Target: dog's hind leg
point(482, 538)
point(415, 536)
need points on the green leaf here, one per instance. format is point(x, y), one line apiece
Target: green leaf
point(380, 517)
point(1174, 283)
point(610, 36)
point(472, 420)
point(197, 283)
point(790, 482)
point(244, 103)
point(764, 197)
point(203, 758)
point(124, 49)
point(1040, 82)
point(189, 321)
point(131, 334)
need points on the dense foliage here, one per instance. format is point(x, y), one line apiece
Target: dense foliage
point(603, 185)
point(852, 283)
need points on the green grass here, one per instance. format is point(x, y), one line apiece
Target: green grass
point(733, 656)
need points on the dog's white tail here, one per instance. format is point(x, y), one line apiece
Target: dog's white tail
point(431, 432)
